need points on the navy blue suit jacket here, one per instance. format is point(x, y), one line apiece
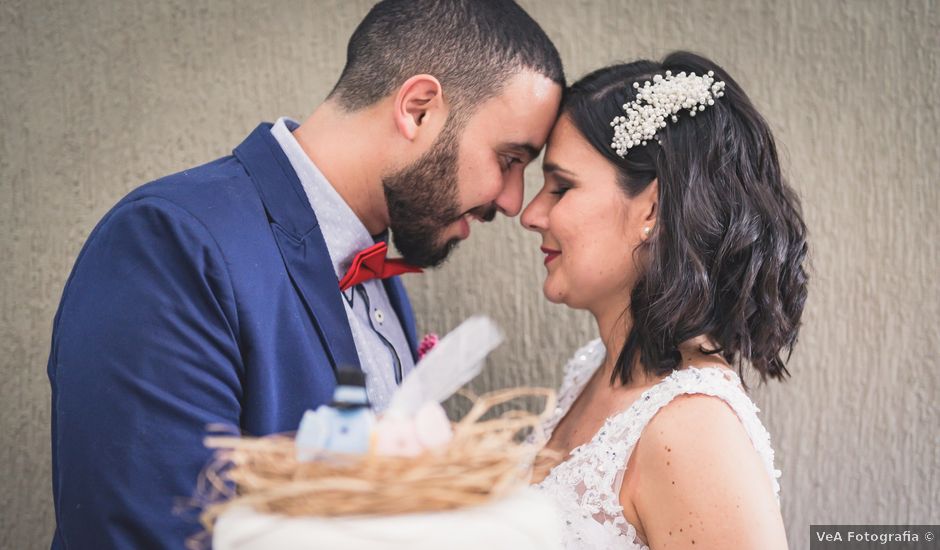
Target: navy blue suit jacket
point(204, 297)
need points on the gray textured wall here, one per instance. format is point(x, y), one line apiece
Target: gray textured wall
point(99, 97)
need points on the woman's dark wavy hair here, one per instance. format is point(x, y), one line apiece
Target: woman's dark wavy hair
point(726, 256)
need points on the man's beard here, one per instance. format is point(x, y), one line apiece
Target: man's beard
point(423, 201)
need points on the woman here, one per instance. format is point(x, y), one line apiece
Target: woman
point(664, 214)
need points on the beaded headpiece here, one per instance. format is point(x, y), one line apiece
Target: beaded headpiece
point(658, 100)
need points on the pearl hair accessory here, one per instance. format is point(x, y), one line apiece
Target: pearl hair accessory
point(664, 97)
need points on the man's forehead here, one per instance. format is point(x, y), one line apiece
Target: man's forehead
point(528, 88)
point(525, 109)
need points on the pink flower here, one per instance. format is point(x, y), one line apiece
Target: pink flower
point(427, 344)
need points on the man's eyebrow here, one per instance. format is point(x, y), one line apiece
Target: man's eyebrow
point(526, 148)
point(551, 167)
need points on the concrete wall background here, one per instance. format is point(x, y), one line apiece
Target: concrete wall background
point(97, 97)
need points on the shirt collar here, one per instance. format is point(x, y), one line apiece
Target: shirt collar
point(343, 231)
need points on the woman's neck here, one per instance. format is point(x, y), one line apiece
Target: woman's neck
point(613, 325)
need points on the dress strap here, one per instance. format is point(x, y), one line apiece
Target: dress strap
point(625, 429)
point(577, 371)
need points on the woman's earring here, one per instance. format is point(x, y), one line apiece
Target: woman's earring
point(646, 231)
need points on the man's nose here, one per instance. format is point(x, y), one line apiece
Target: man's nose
point(509, 201)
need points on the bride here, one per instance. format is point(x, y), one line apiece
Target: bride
point(665, 215)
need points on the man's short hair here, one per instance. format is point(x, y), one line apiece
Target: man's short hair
point(472, 47)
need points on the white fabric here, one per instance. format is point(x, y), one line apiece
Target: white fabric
point(525, 520)
point(586, 486)
point(372, 318)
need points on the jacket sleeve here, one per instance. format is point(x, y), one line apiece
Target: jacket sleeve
point(144, 356)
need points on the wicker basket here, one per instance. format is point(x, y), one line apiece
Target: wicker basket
point(486, 459)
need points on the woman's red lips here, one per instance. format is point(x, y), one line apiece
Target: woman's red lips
point(550, 254)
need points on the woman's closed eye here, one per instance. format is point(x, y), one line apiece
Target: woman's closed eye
point(561, 187)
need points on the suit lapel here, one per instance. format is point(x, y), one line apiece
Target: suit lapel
point(300, 241)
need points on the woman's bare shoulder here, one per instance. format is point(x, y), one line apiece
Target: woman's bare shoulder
point(701, 479)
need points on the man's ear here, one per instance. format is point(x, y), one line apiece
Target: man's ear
point(419, 103)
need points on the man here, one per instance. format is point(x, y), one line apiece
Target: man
point(214, 296)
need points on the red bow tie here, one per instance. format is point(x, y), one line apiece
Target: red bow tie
point(371, 263)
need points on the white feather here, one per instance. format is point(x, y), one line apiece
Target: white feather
point(456, 359)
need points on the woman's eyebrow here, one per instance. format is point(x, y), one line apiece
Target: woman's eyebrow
point(551, 167)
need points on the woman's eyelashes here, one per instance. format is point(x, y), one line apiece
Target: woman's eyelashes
point(561, 187)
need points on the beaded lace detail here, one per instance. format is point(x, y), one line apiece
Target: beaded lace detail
point(586, 486)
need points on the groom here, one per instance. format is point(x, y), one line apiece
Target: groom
point(213, 296)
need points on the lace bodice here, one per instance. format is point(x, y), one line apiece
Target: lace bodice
point(586, 486)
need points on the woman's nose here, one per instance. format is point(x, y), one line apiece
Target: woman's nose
point(535, 215)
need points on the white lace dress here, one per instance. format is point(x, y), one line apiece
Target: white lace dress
point(586, 486)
